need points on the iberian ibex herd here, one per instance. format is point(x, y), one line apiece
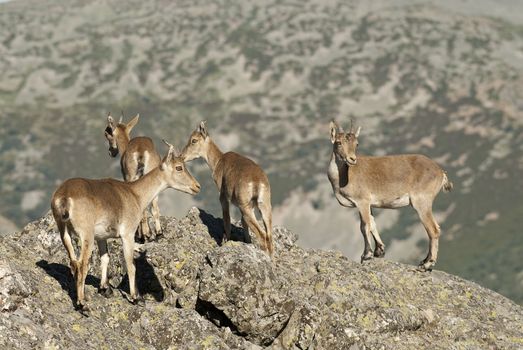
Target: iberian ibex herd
point(96, 210)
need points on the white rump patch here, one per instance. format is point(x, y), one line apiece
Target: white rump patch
point(260, 193)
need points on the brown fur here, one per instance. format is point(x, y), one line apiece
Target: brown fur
point(138, 157)
point(385, 182)
point(108, 208)
point(240, 181)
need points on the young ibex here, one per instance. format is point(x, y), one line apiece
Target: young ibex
point(240, 181)
point(138, 157)
point(108, 208)
point(385, 182)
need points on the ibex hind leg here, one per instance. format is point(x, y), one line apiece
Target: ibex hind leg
point(266, 214)
point(104, 288)
point(424, 210)
point(68, 244)
point(251, 222)
point(226, 218)
point(87, 243)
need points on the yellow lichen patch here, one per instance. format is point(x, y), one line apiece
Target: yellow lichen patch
point(367, 321)
point(122, 316)
point(77, 328)
point(492, 315)
point(178, 265)
point(207, 342)
point(443, 295)
point(516, 340)
point(374, 279)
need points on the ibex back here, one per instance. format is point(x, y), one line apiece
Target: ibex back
point(138, 157)
point(385, 182)
point(240, 181)
point(108, 208)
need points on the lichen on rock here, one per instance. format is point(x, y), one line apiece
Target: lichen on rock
point(200, 295)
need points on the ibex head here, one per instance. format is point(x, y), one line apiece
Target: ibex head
point(344, 143)
point(116, 134)
point(198, 143)
point(176, 174)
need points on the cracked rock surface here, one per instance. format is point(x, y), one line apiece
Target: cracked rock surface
point(199, 295)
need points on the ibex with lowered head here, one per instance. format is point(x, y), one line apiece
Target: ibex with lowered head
point(96, 210)
point(240, 181)
point(138, 157)
point(385, 182)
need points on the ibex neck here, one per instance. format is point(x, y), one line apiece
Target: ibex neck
point(148, 187)
point(213, 155)
point(338, 172)
point(122, 142)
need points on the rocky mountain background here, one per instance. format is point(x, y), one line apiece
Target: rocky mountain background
point(440, 79)
point(199, 295)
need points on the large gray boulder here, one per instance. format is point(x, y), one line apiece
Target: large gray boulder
point(199, 295)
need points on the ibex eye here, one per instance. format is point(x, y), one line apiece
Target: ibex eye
point(194, 141)
point(179, 168)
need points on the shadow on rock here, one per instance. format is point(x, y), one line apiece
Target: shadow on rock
point(146, 280)
point(216, 229)
point(62, 274)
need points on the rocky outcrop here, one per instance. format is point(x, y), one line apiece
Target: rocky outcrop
point(199, 295)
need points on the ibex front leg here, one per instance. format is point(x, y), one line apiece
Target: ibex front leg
point(226, 217)
point(156, 216)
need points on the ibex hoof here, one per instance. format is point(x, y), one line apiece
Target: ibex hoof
point(366, 256)
point(83, 309)
point(159, 234)
point(426, 265)
point(106, 292)
point(139, 301)
point(379, 252)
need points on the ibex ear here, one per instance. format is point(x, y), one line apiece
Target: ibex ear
point(358, 131)
point(170, 154)
point(132, 123)
point(110, 121)
point(333, 130)
point(202, 129)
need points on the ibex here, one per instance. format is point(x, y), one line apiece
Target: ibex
point(240, 181)
point(138, 157)
point(96, 210)
point(385, 182)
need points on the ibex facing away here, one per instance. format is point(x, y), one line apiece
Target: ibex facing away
point(385, 182)
point(138, 157)
point(100, 209)
point(240, 181)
